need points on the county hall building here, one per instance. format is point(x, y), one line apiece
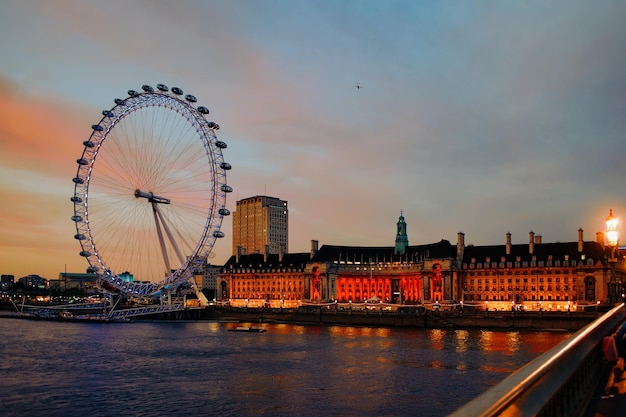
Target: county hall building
point(531, 276)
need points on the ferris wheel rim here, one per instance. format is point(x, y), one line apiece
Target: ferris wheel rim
point(136, 101)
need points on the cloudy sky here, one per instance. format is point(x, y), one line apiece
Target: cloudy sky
point(483, 117)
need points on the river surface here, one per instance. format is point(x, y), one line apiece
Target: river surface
point(202, 369)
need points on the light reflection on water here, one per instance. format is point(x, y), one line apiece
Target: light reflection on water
point(200, 368)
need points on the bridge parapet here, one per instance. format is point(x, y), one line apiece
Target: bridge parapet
point(560, 382)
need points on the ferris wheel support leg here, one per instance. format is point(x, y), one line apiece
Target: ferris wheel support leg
point(201, 297)
point(179, 254)
point(155, 211)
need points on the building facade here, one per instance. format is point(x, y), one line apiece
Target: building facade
point(535, 275)
point(422, 274)
point(209, 279)
point(260, 225)
point(6, 281)
point(84, 282)
point(264, 280)
point(532, 276)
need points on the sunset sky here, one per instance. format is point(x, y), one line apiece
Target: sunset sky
point(482, 117)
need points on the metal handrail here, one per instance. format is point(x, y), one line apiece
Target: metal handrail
point(534, 387)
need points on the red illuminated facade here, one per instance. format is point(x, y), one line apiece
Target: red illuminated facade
point(424, 273)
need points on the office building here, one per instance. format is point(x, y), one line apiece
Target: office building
point(260, 225)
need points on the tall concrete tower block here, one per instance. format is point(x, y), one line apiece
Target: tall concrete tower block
point(260, 225)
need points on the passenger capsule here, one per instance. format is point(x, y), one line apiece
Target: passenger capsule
point(88, 144)
point(77, 218)
point(97, 128)
point(227, 188)
point(147, 88)
point(177, 91)
point(203, 110)
point(118, 101)
point(224, 211)
point(79, 236)
point(218, 233)
point(190, 98)
point(162, 87)
point(85, 253)
point(221, 144)
point(78, 180)
point(132, 93)
point(82, 161)
point(225, 165)
point(107, 113)
point(76, 199)
point(92, 270)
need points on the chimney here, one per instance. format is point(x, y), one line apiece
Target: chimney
point(267, 252)
point(314, 247)
point(580, 240)
point(508, 243)
point(531, 243)
point(460, 244)
point(239, 248)
point(600, 238)
point(281, 252)
point(537, 239)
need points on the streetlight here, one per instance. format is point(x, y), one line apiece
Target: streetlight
point(612, 239)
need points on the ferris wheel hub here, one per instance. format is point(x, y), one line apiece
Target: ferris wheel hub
point(151, 197)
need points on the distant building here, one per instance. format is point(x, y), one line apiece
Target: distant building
point(85, 282)
point(33, 281)
point(6, 281)
point(127, 276)
point(260, 225)
point(209, 279)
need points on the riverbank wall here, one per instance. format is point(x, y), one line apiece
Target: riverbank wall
point(405, 317)
point(561, 321)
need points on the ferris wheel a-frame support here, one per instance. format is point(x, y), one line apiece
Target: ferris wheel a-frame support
point(155, 200)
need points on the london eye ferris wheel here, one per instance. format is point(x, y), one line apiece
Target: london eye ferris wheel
point(150, 192)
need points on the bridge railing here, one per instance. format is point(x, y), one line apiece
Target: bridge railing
point(560, 382)
point(144, 311)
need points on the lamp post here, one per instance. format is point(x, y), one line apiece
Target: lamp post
point(612, 239)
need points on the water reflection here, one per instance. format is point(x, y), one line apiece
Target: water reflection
point(461, 337)
point(203, 369)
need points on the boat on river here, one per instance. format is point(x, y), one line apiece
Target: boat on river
point(248, 329)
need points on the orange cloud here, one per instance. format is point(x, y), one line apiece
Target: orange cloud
point(39, 142)
point(34, 136)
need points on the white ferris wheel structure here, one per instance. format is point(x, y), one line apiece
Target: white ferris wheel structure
point(150, 193)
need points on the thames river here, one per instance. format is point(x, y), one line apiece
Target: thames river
point(202, 369)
